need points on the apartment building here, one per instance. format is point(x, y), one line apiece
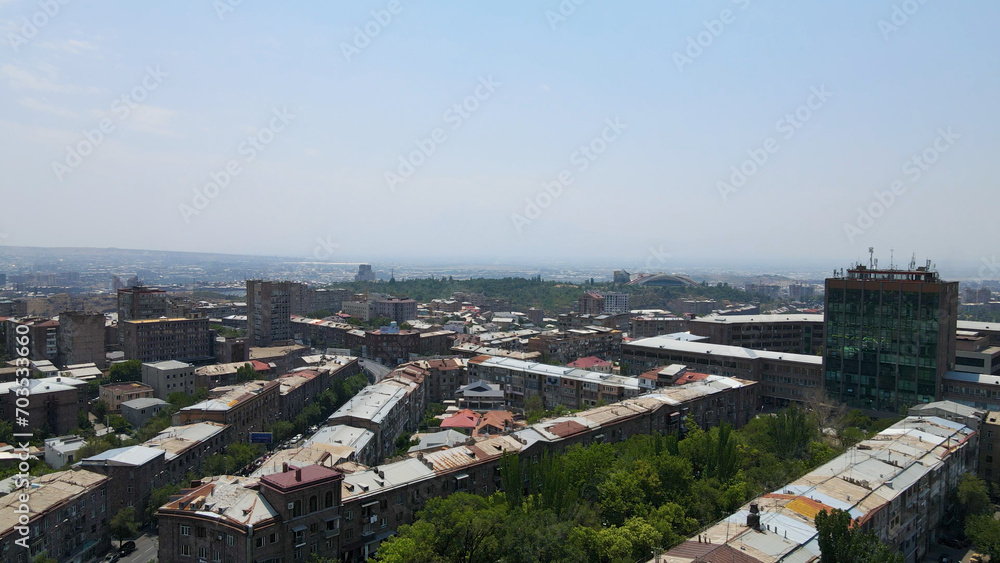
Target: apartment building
point(68, 518)
point(134, 472)
point(43, 341)
point(567, 346)
point(896, 484)
point(80, 339)
point(397, 309)
point(114, 394)
point(187, 446)
point(383, 409)
point(269, 311)
point(784, 377)
point(243, 408)
point(53, 403)
point(287, 517)
point(156, 340)
point(794, 333)
point(572, 388)
point(646, 326)
point(169, 376)
point(141, 303)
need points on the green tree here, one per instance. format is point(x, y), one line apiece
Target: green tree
point(123, 525)
point(159, 497)
point(973, 496)
point(282, 430)
point(247, 373)
point(984, 532)
point(126, 371)
point(842, 541)
point(100, 410)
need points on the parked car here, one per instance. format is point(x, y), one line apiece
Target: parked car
point(111, 558)
point(952, 542)
point(127, 548)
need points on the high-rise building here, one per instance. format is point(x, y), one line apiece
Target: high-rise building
point(889, 337)
point(590, 303)
point(365, 273)
point(616, 303)
point(156, 340)
point(269, 313)
point(80, 338)
point(140, 303)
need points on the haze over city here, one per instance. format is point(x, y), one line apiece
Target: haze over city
point(424, 130)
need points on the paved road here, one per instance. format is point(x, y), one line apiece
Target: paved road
point(146, 547)
point(375, 370)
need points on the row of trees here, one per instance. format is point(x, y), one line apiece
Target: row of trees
point(615, 502)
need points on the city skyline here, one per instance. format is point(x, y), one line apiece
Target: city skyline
point(520, 133)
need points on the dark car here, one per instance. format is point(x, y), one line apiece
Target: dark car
point(127, 548)
point(951, 542)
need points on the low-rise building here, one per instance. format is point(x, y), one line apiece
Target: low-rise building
point(215, 375)
point(114, 394)
point(645, 326)
point(61, 451)
point(137, 412)
point(169, 376)
point(481, 396)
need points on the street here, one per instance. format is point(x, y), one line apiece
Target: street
point(373, 369)
point(146, 547)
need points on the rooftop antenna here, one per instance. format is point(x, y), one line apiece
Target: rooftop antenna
point(913, 262)
point(892, 265)
point(871, 254)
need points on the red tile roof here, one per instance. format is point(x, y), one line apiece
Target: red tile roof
point(258, 365)
point(462, 419)
point(589, 362)
point(690, 376)
point(566, 428)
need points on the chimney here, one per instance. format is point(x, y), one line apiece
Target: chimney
point(284, 466)
point(298, 473)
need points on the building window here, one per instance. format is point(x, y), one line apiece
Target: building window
point(349, 515)
point(229, 539)
point(274, 537)
point(329, 499)
point(313, 504)
point(202, 552)
point(260, 541)
point(185, 530)
point(186, 550)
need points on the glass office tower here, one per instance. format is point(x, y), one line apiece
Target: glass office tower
point(890, 337)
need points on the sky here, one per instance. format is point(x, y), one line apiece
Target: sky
point(659, 132)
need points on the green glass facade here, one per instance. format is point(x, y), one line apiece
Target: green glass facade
point(887, 343)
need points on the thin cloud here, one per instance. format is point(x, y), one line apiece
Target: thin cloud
point(38, 105)
point(21, 79)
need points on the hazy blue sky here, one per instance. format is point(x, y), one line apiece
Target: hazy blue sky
point(695, 88)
